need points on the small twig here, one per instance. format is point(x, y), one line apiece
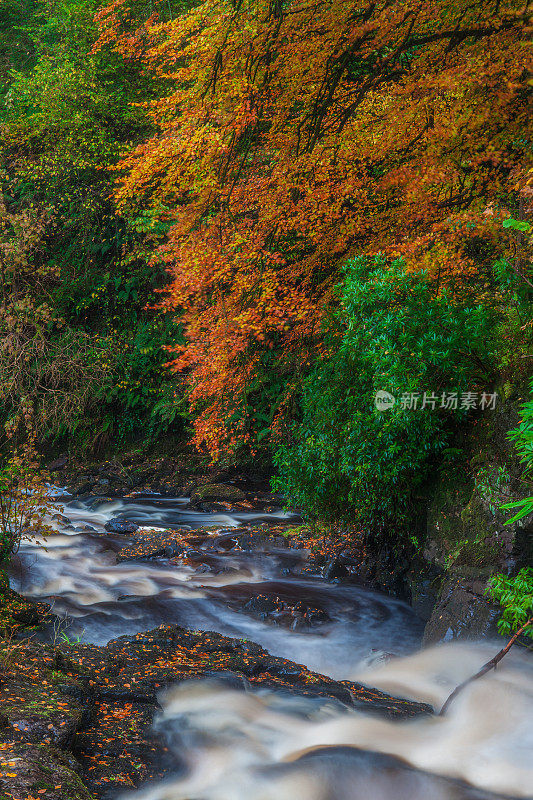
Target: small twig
point(486, 667)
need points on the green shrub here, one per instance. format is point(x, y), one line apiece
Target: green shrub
point(515, 595)
point(522, 436)
point(78, 335)
point(142, 395)
point(347, 459)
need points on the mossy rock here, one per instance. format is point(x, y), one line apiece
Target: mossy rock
point(28, 770)
point(217, 491)
point(445, 527)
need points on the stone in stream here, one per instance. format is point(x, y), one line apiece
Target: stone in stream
point(295, 615)
point(216, 491)
point(152, 544)
point(350, 772)
point(334, 569)
point(121, 526)
point(138, 667)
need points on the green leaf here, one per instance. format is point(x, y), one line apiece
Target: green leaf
point(517, 225)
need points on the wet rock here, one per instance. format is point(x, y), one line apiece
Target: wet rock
point(213, 492)
point(203, 569)
point(61, 518)
point(462, 612)
point(27, 769)
point(194, 555)
point(227, 542)
point(348, 559)
point(304, 615)
point(172, 550)
point(152, 544)
point(86, 529)
point(466, 535)
point(282, 612)
point(138, 667)
point(262, 605)
point(59, 464)
point(343, 772)
point(334, 568)
point(121, 526)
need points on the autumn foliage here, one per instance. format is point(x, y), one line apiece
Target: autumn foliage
point(293, 135)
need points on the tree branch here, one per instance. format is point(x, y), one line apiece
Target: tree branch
point(486, 667)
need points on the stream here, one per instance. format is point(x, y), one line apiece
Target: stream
point(264, 745)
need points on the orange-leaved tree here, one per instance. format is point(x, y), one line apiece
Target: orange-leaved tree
point(296, 133)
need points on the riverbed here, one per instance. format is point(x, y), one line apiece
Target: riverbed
point(236, 744)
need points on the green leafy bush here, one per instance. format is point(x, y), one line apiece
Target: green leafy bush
point(92, 365)
point(393, 332)
point(515, 595)
point(522, 436)
point(143, 397)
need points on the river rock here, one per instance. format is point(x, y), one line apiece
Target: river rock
point(138, 667)
point(334, 568)
point(121, 526)
point(344, 772)
point(58, 464)
point(30, 768)
point(462, 612)
point(99, 703)
point(282, 612)
point(152, 544)
point(216, 491)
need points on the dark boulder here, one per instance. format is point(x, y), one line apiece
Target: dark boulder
point(334, 568)
point(262, 605)
point(212, 492)
point(121, 526)
point(58, 464)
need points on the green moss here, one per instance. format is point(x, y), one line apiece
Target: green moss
point(445, 526)
point(461, 530)
point(217, 491)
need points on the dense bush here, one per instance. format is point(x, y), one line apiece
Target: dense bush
point(77, 340)
point(515, 595)
point(522, 436)
point(393, 332)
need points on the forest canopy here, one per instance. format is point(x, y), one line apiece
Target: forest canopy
point(186, 188)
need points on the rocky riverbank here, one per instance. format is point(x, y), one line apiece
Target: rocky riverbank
point(76, 719)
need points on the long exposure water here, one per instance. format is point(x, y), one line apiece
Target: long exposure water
point(77, 573)
point(237, 745)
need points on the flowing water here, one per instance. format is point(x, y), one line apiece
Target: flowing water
point(264, 745)
point(236, 745)
point(79, 576)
